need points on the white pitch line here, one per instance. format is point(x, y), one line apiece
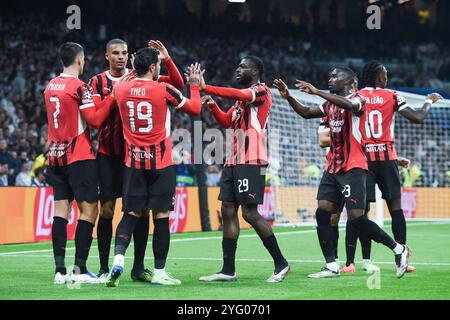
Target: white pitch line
point(241, 259)
point(172, 240)
point(278, 234)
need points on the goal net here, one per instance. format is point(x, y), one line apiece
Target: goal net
point(296, 162)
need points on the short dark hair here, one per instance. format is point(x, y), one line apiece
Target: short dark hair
point(115, 41)
point(258, 64)
point(350, 73)
point(144, 58)
point(68, 52)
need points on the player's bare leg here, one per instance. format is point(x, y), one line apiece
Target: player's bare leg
point(251, 215)
point(326, 239)
point(83, 242)
point(104, 234)
point(59, 238)
point(160, 244)
point(364, 225)
point(398, 223)
point(229, 243)
point(124, 232)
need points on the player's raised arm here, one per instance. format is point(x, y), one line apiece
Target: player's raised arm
point(246, 95)
point(355, 105)
point(174, 76)
point(416, 115)
point(93, 109)
point(178, 101)
point(223, 118)
point(304, 111)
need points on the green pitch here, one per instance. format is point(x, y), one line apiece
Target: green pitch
point(26, 270)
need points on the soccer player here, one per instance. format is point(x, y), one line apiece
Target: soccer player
point(149, 177)
point(344, 179)
point(111, 154)
point(72, 169)
point(351, 234)
point(381, 105)
point(243, 176)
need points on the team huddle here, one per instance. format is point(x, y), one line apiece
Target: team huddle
point(131, 108)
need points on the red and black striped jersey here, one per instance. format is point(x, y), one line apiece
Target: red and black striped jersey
point(346, 149)
point(144, 110)
point(380, 108)
point(110, 137)
point(324, 126)
point(68, 135)
point(248, 121)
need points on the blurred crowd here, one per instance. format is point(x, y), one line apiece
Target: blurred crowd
point(29, 60)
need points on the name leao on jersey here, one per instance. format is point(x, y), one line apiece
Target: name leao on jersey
point(137, 91)
point(374, 100)
point(57, 86)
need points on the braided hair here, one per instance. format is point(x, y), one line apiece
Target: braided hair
point(370, 73)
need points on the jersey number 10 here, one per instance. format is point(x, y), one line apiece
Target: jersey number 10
point(140, 115)
point(370, 124)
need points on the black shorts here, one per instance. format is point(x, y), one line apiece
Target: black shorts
point(348, 188)
point(243, 184)
point(110, 175)
point(78, 180)
point(145, 190)
point(387, 176)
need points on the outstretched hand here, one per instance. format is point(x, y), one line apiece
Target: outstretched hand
point(208, 101)
point(305, 87)
point(156, 44)
point(195, 74)
point(193, 71)
point(282, 88)
point(403, 162)
point(434, 97)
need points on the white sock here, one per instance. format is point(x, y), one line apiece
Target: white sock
point(119, 260)
point(332, 266)
point(366, 261)
point(159, 272)
point(398, 248)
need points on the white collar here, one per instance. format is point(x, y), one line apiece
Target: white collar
point(116, 78)
point(372, 88)
point(66, 75)
point(142, 79)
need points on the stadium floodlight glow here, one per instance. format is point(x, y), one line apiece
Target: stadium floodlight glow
point(237, 1)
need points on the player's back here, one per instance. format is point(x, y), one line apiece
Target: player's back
point(380, 108)
point(68, 135)
point(144, 109)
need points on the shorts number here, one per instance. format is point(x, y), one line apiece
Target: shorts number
point(243, 185)
point(346, 191)
point(140, 115)
point(370, 124)
point(57, 110)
